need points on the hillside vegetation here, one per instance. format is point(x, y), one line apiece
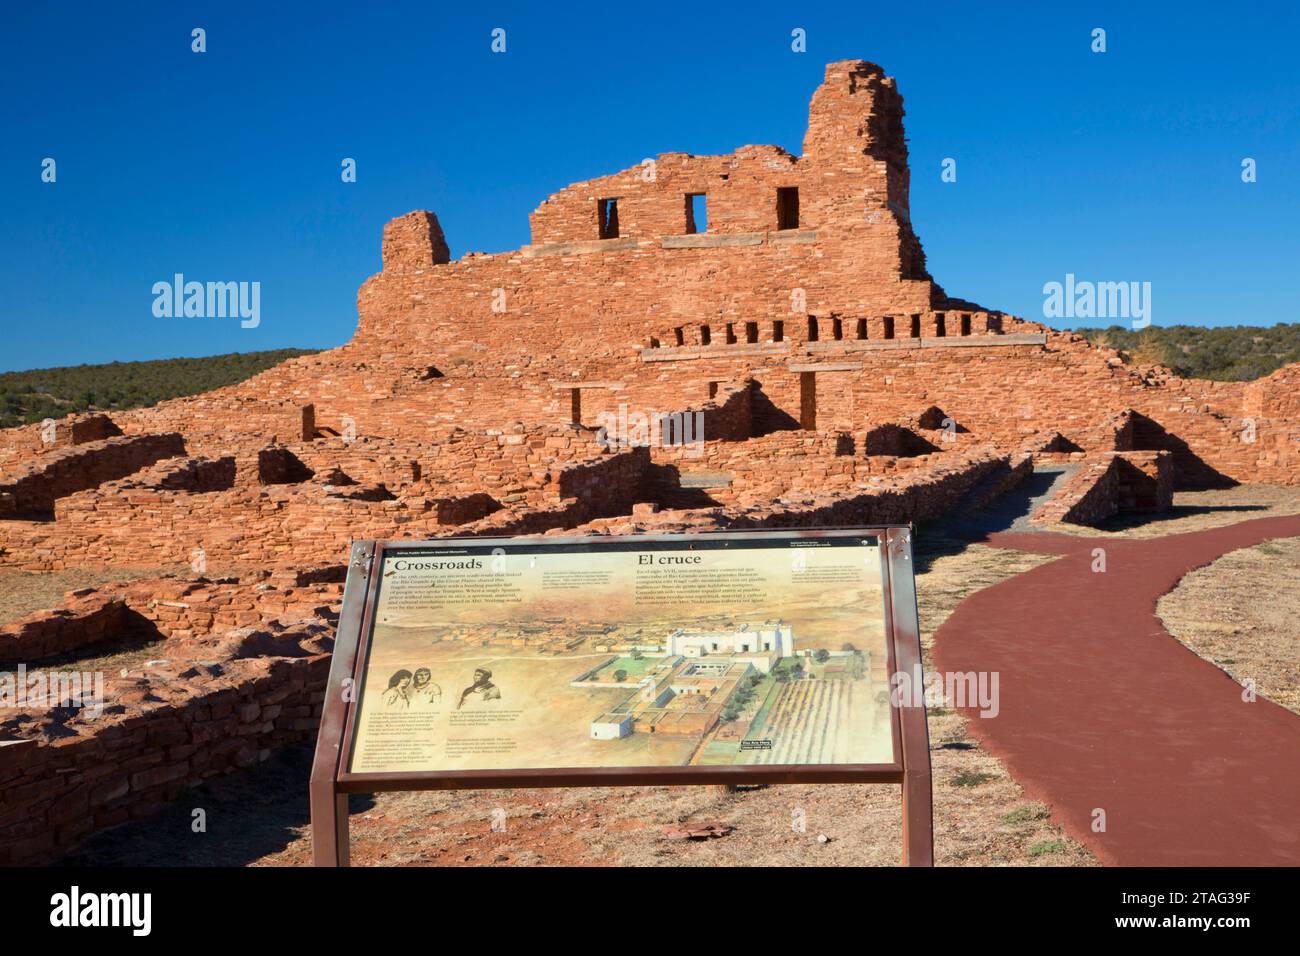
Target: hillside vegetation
point(35, 395)
point(1230, 353)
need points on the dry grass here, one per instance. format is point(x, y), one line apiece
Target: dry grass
point(1150, 350)
point(1196, 511)
point(109, 657)
point(22, 592)
point(1240, 613)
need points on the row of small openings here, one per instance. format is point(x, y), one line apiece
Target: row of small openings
point(836, 329)
point(888, 327)
point(696, 209)
point(748, 329)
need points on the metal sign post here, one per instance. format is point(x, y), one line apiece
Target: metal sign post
point(686, 687)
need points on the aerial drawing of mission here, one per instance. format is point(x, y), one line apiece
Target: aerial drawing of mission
point(1112, 536)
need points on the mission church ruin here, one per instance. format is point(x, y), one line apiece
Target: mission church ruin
point(838, 384)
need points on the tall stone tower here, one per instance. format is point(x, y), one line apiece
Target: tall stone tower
point(855, 152)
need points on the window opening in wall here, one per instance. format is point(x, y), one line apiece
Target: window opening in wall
point(808, 401)
point(837, 328)
point(889, 326)
point(965, 325)
point(706, 335)
point(731, 333)
point(751, 331)
point(812, 328)
point(778, 330)
point(713, 390)
point(697, 213)
point(862, 328)
point(787, 207)
point(679, 335)
point(940, 325)
point(916, 327)
point(608, 212)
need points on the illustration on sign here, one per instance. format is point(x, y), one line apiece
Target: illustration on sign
point(627, 654)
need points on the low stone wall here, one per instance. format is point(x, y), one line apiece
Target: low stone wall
point(243, 675)
point(165, 729)
point(608, 485)
point(726, 417)
point(999, 480)
point(1145, 481)
point(88, 428)
point(1112, 483)
point(34, 489)
point(81, 622)
point(198, 475)
point(611, 486)
point(787, 463)
point(1275, 397)
point(148, 527)
point(24, 442)
point(463, 509)
point(277, 465)
point(172, 607)
point(912, 497)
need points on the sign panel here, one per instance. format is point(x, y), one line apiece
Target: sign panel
point(700, 651)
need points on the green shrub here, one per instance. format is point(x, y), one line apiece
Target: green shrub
point(1230, 353)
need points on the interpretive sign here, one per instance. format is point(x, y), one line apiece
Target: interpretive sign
point(701, 658)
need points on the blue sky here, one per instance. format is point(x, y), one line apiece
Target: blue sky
point(225, 165)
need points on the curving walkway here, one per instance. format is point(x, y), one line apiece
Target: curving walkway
point(1102, 708)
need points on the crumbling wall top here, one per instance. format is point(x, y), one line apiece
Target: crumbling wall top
point(414, 243)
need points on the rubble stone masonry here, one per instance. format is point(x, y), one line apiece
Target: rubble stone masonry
point(838, 383)
point(1109, 484)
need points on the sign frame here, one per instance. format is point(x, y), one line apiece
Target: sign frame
point(332, 782)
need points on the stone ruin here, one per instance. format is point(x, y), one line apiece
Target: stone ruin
point(836, 381)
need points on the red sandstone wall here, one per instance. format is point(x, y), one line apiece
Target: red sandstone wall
point(1112, 483)
point(918, 495)
point(78, 624)
point(222, 699)
point(126, 525)
point(70, 469)
point(56, 792)
point(461, 373)
point(854, 251)
point(431, 350)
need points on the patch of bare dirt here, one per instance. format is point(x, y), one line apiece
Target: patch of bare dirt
point(1240, 614)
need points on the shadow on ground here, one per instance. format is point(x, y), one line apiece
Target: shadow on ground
point(1123, 522)
point(249, 815)
point(961, 527)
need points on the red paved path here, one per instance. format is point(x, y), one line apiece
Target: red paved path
point(1101, 707)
